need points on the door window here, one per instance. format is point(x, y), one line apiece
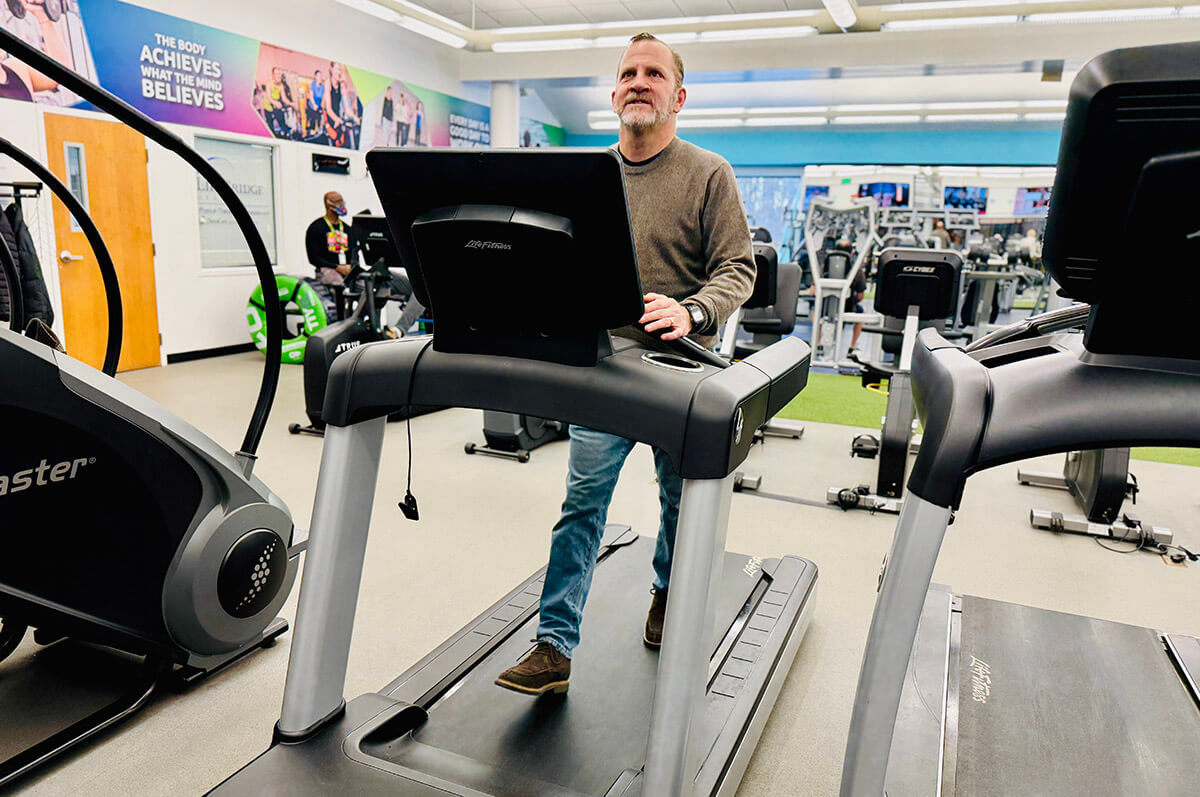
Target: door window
point(76, 177)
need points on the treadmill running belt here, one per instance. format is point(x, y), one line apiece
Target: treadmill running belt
point(1057, 704)
point(581, 741)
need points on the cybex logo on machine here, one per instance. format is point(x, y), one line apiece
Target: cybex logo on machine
point(738, 420)
point(346, 346)
point(486, 245)
point(753, 565)
point(44, 473)
point(918, 269)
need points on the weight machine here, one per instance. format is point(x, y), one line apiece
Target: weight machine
point(834, 271)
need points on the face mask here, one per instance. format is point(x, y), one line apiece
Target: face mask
point(337, 210)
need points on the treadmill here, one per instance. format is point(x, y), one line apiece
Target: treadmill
point(982, 697)
point(490, 238)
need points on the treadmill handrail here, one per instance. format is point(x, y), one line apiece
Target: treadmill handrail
point(1044, 400)
point(703, 418)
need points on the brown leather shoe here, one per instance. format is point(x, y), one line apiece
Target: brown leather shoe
point(543, 670)
point(654, 620)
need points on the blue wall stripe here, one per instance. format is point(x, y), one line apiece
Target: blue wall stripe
point(1025, 146)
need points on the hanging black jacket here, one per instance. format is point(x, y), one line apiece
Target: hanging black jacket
point(33, 288)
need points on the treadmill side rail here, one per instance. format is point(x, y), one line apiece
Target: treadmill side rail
point(907, 576)
point(690, 621)
point(337, 544)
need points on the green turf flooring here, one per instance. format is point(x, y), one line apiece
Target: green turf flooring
point(832, 398)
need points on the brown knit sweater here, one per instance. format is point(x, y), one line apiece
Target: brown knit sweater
point(690, 232)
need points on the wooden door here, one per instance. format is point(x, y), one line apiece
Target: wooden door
point(106, 163)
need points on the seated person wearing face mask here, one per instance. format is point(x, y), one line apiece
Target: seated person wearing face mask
point(329, 242)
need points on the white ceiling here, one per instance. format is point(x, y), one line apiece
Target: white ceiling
point(489, 14)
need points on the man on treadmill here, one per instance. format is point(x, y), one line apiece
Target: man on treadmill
point(695, 256)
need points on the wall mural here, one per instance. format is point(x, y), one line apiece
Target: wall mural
point(181, 72)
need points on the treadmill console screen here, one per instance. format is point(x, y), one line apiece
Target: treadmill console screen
point(375, 241)
point(514, 249)
point(1123, 225)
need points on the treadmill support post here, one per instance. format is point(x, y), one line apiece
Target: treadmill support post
point(687, 635)
point(337, 545)
point(907, 576)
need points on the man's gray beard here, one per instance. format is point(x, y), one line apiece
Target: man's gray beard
point(643, 123)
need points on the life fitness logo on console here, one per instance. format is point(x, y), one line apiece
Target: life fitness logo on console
point(42, 474)
point(486, 245)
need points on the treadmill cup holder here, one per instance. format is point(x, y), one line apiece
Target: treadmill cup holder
point(672, 362)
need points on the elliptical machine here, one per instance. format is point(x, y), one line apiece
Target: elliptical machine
point(363, 324)
point(1098, 479)
point(124, 526)
point(918, 288)
point(513, 436)
point(834, 271)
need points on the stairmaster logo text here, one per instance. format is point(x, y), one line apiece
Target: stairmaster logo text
point(42, 474)
point(487, 245)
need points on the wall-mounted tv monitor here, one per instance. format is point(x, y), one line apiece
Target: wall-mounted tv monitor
point(811, 191)
point(965, 197)
point(886, 195)
point(1032, 201)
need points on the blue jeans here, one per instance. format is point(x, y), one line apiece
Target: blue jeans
point(592, 470)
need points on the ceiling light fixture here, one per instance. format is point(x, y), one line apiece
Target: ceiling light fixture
point(790, 109)
point(388, 14)
point(540, 45)
point(972, 117)
point(432, 32)
point(1044, 104)
point(942, 23)
point(786, 121)
point(682, 37)
point(1046, 117)
point(938, 5)
point(1110, 15)
point(643, 24)
point(895, 106)
point(712, 112)
point(746, 34)
point(730, 34)
point(899, 119)
point(374, 9)
point(431, 14)
point(971, 106)
point(709, 122)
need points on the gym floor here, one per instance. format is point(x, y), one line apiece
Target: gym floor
point(485, 524)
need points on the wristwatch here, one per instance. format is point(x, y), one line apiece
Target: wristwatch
point(698, 316)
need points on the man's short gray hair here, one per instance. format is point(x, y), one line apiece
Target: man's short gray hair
point(650, 37)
